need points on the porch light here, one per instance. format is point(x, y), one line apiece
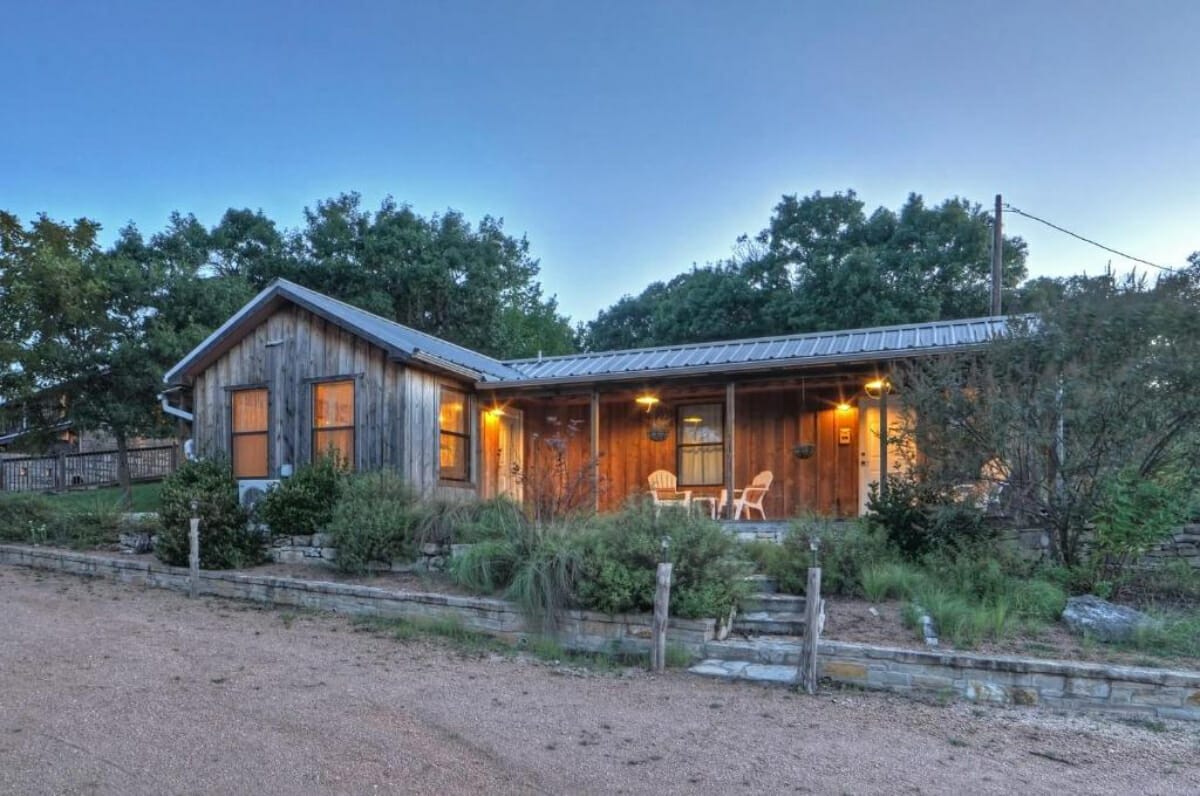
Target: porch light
point(877, 387)
point(843, 407)
point(647, 400)
point(496, 412)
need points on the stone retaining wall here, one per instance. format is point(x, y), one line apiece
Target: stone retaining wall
point(997, 680)
point(578, 630)
point(318, 550)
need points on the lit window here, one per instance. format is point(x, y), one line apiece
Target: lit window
point(455, 433)
point(333, 421)
point(700, 447)
point(250, 433)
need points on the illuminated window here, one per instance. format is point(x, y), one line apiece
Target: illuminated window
point(700, 448)
point(333, 421)
point(250, 433)
point(455, 436)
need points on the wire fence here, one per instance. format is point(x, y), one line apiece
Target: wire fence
point(82, 470)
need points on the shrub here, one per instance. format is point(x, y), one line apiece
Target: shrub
point(303, 504)
point(225, 539)
point(373, 520)
point(891, 580)
point(25, 517)
point(846, 549)
point(918, 518)
point(621, 557)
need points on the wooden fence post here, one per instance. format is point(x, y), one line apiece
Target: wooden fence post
point(194, 553)
point(60, 472)
point(814, 621)
point(662, 602)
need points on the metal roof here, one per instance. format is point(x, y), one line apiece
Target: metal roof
point(763, 353)
point(399, 340)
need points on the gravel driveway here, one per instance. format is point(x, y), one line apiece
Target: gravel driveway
point(113, 689)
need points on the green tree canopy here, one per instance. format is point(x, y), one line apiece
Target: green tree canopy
point(822, 263)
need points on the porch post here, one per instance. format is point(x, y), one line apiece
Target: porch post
point(883, 439)
point(594, 431)
point(729, 458)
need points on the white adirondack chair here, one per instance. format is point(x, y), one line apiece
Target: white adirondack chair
point(751, 498)
point(664, 491)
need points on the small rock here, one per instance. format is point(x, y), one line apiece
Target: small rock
point(873, 612)
point(136, 543)
point(1089, 615)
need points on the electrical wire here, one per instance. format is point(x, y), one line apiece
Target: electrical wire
point(1019, 212)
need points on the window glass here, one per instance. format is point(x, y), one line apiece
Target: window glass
point(249, 426)
point(333, 421)
point(700, 445)
point(455, 441)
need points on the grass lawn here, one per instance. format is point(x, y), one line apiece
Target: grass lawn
point(145, 497)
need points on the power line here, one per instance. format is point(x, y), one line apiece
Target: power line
point(1012, 209)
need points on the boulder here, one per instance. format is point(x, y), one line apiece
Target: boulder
point(1099, 619)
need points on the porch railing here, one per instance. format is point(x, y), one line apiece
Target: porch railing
point(82, 470)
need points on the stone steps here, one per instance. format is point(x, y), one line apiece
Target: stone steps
point(777, 651)
point(771, 623)
point(771, 674)
point(763, 584)
point(772, 602)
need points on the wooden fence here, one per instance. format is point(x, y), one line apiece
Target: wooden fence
point(82, 470)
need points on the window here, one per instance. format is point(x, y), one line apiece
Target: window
point(455, 432)
point(250, 433)
point(333, 421)
point(701, 445)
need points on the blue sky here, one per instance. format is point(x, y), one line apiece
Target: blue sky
point(627, 140)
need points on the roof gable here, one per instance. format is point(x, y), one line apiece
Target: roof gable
point(398, 340)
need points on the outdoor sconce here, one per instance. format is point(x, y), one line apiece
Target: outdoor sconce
point(647, 400)
point(877, 387)
point(843, 407)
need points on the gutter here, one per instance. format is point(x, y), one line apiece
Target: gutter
point(173, 410)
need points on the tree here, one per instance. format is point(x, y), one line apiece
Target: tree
point(1093, 393)
point(820, 264)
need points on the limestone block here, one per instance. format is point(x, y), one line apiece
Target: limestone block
point(984, 691)
point(329, 553)
point(844, 670)
point(301, 541)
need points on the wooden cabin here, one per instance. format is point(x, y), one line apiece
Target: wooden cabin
point(295, 374)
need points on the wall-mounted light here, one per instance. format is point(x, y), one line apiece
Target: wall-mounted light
point(843, 407)
point(877, 387)
point(495, 412)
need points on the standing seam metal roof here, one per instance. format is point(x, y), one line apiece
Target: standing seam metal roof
point(883, 342)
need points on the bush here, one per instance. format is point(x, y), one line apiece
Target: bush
point(919, 519)
point(226, 541)
point(38, 519)
point(621, 557)
point(373, 520)
point(303, 504)
point(24, 518)
point(846, 549)
point(891, 580)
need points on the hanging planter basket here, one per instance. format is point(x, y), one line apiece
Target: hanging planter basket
point(658, 434)
point(804, 450)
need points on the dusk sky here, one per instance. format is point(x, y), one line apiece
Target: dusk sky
point(627, 140)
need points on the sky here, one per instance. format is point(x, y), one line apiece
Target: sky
point(627, 140)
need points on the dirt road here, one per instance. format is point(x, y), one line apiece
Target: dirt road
point(113, 689)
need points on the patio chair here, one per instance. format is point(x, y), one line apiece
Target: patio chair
point(751, 498)
point(664, 491)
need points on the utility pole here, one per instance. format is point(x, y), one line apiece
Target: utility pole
point(997, 255)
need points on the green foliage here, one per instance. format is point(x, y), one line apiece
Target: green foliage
point(39, 519)
point(846, 550)
point(1175, 633)
point(621, 557)
point(918, 517)
point(1135, 513)
point(303, 504)
point(891, 580)
point(373, 519)
point(823, 263)
point(226, 540)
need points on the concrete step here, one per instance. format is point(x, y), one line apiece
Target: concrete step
point(772, 602)
point(773, 623)
point(762, 584)
point(741, 670)
point(779, 650)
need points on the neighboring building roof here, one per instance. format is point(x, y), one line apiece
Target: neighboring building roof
point(399, 340)
point(762, 353)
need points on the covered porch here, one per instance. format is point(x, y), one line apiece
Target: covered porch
point(596, 447)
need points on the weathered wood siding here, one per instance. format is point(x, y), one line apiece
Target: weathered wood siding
point(396, 406)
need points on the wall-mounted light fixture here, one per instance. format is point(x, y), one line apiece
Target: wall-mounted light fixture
point(843, 407)
point(877, 387)
point(647, 400)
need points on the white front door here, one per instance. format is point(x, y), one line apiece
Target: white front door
point(509, 459)
point(900, 454)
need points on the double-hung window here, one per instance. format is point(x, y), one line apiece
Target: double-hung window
point(454, 430)
point(700, 444)
point(249, 427)
point(333, 421)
